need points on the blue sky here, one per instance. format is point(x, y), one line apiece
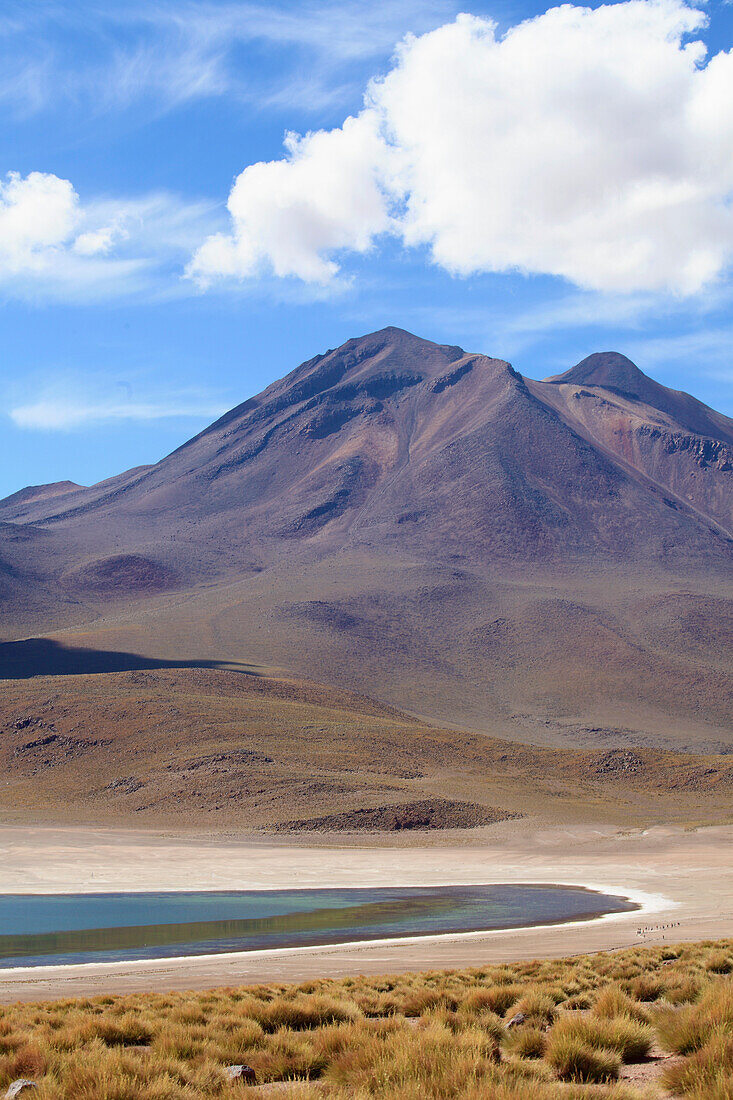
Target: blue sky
point(124, 333)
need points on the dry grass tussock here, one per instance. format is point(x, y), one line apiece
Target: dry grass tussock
point(409, 1037)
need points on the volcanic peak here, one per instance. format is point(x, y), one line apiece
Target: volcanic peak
point(609, 369)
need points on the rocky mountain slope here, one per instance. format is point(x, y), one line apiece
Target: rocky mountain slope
point(549, 560)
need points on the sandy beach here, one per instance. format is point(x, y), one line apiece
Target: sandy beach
point(683, 879)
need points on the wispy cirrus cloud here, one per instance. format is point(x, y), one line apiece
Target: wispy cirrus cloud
point(69, 414)
point(73, 401)
point(177, 51)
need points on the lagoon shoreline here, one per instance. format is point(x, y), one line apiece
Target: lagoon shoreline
point(682, 879)
point(120, 936)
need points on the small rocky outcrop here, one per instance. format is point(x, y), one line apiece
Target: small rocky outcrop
point(428, 813)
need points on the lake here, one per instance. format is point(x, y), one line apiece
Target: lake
point(44, 929)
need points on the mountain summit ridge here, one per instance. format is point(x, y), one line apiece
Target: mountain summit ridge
point(616, 373)
point(609, 369)
point(389, 425)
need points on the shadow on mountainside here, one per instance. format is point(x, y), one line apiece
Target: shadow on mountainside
point(46, 657)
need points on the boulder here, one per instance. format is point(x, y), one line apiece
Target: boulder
point(241, 1073)
point(16, 1087)
point(516, 1020)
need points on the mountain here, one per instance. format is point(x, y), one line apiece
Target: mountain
point(393, 440)
point(425, 525)
point(682, 446)
point(614, 372)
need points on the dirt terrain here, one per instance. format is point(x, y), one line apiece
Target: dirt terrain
point(218, 748)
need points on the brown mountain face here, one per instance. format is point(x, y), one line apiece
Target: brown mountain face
point(681, 445)
point(428, 526)
point(611, 371)
point(393, 441)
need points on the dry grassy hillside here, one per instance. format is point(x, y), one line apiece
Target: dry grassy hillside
point(193, 747)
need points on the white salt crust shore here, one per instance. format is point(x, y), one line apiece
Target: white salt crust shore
point(682, 880)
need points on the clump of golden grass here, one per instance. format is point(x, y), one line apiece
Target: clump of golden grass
point(425, 1061)
point(527, 1042)
point(707, 1073)
point(719, 962)
point(622, 1035)
point(439, 1034)
point(645, 988)
point(684, 992)
point(538, 1007)
point(573, 1059)
point(612, 1001)
point(685, 1030)
point(494, 998)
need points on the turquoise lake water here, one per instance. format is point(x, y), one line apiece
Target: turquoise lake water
point(46, 929)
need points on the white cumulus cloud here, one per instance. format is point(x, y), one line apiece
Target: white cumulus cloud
point(100, 241)
point(38, 214)
point(594, 144)
point(54, 246)
point(294, 213)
